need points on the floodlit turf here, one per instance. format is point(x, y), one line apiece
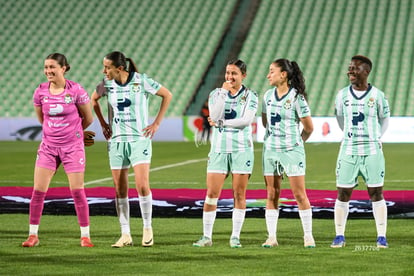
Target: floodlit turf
point(59, 252)
point(183, 165)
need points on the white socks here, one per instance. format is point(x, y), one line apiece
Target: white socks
point(306, 218)
point(272, 216)
point(145, 203)
point(340, 216)
point(238, 220)
point(208, 223)
point(84, 231)
point(379, 208)
point(33, 229)
point(122, 208)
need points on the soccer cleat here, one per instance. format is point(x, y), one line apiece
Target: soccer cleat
point(382, 242)
point(338, 242)
point(309, 242)
point(147, 237)
point(86, 242)
point(124, 240)
point(203, 242)
point(235, 242)
point(31, 241)
point(270, 242)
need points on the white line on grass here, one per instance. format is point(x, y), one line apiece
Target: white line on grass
point(151, 170)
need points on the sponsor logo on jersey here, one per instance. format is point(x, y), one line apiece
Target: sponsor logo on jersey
point(55, 109)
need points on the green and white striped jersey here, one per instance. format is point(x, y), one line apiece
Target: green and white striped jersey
point(129, 103)
point(362, 129)
point(283, 117)
point(240, 106)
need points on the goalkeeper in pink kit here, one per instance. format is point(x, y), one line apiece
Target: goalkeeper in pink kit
point(62, 107)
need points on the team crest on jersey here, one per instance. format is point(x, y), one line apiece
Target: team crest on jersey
point(243, 100)
point(371, 102)
point(136, 88)
point(288, 104)
point(68, 99)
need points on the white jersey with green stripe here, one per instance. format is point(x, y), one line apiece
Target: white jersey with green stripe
point(361, 115)
point(233, 139)
point(283, 117)
point(129, 103)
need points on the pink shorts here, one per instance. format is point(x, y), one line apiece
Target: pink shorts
point(72, 157)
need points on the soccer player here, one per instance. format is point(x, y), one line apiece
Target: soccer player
point(362, 112)
point(283, 108)
point(232, 110)
point(130, 136)
point(62, 107)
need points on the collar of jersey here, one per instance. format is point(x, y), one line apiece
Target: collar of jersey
point(130, 76)
point(277, 97)
point(238, 93)
point(363, 95)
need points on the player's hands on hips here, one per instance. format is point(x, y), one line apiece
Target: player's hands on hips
point(150, 130)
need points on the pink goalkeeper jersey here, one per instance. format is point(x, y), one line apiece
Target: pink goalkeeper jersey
point(62, 124)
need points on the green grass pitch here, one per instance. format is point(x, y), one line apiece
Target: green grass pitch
point(182, 165)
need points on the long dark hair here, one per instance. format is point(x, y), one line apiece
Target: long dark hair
point(294, 74)
point(119, 59)
point(60, 59)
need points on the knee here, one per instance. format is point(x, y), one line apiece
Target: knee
point(375, 194)
point(301, 198)
point(239, 195)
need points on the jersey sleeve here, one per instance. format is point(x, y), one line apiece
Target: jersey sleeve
point(339, 104)
point(82, 95)
point(248, 115)
point(383, 107)
point(302, 107)
point(150, 85)
point(216, 101)
point(36, 97)
point(253, 101)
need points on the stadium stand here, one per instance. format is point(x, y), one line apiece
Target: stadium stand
point(322, 36)
point(174, 41)
point(171, 41)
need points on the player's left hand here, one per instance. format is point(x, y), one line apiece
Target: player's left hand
point(150, 130)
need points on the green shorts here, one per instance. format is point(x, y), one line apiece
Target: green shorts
point(370, 167)
point(123, 155)
point(291, 162)
point(236, 162)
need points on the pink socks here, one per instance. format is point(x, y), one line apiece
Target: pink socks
point(81, 206)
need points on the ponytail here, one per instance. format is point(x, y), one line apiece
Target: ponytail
point(298, 81)
point(118, 59)
point(132, 67)
point(294, 74)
